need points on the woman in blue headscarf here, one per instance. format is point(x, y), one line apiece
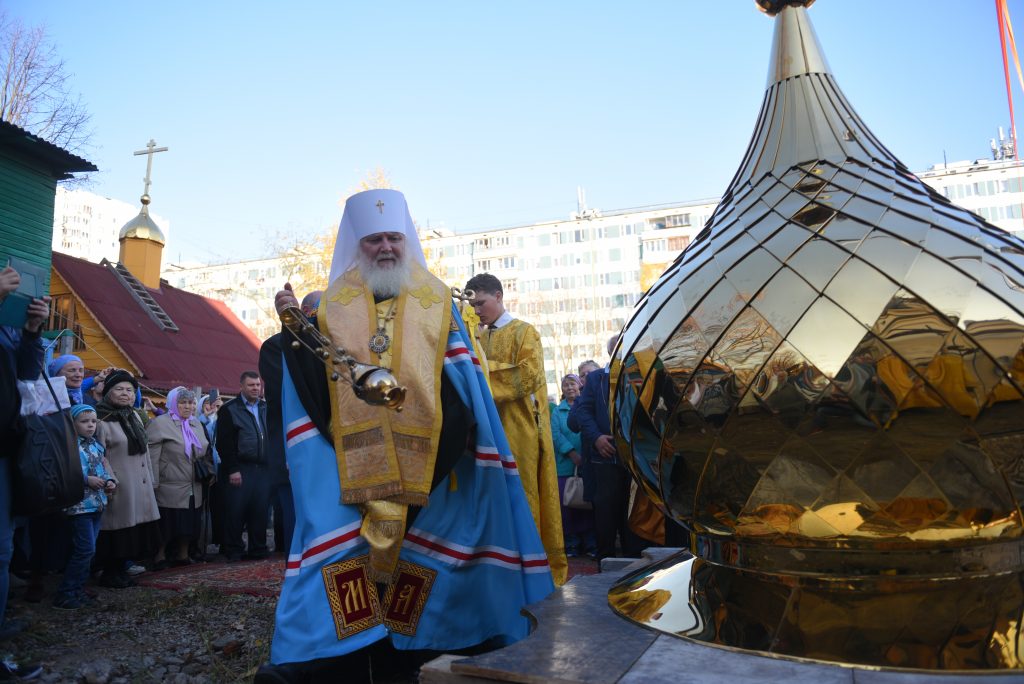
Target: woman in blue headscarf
point(71, 368)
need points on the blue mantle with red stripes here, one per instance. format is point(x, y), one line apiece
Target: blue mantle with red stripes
point(472, 561)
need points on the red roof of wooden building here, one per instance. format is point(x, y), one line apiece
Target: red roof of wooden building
point(173, 337)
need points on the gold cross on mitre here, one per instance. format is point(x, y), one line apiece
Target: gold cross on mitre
point(380, 206)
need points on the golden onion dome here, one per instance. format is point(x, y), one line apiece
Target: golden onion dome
point(142, 226)
point(826, 390)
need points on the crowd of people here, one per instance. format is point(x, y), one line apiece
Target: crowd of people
point(167, 492)
point(161, 484)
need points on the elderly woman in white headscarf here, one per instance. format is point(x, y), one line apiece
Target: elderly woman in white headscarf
point(182, 461)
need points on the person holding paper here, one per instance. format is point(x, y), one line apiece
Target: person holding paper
point(21, 358)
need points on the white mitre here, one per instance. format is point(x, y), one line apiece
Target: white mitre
point(369, 212)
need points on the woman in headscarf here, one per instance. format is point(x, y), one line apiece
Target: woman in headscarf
point(577, 524)
point(71, 368)
point(130, 526)
point(176, 441)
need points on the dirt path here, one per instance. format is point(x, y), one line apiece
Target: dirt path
point(147, 635)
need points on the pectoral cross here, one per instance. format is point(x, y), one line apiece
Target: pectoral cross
point(150, 150)
point(380, 206)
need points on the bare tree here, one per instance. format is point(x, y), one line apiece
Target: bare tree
point(306, 263)
point(35, 89)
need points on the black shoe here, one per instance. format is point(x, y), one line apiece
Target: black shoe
point(292, 673)
point(116, 580)
point(69, 603)
point(11, 671)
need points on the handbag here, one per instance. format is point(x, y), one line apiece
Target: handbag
point(200, 470)
point(572, 494)
point(46, 476)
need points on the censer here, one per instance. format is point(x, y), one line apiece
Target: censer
point(374, 385)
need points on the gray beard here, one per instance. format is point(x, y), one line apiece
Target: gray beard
point(385, 283)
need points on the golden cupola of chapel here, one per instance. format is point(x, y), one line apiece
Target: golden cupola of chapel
point(142, 241)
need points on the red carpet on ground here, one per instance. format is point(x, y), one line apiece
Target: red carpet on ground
point(258, 578)
point(263, 577)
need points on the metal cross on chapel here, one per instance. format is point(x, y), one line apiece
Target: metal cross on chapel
point(380, 206)
point(150, 150)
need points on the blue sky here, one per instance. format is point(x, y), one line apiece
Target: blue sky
point(484, 114)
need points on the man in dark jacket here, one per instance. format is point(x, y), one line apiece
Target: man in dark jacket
point(274, 349)
point(241, 443)
point(609, 478)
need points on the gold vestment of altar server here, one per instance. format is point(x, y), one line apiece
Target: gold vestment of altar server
point(516, 371)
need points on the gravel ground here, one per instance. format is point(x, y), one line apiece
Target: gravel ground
point(146, 635)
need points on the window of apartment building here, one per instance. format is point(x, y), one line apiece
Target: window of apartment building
point(63, 316)
point(501, 241)
point(614, 278)
point(483, 265)
point(544, 284)
point(565, 237)
point(543, 240)
point(678, 244)
point(677, 220)
point(1013, 184)
point(615, 254)
point(613, 231)
point(483, 243)
point(580, 235)
point(567, 282)
point(507, 262)
point(583, 258)
point(544, 262)
point(253, 274)
point(510, 286)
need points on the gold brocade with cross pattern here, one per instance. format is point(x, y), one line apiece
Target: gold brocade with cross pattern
point(386, 459)
point(516, 373)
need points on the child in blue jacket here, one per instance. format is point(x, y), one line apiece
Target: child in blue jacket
point(86, 514)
